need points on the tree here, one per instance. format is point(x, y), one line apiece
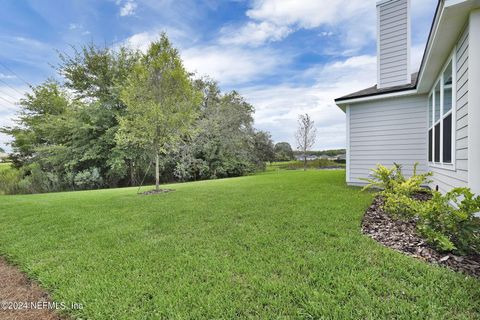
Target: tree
point(161, 103)
point(305, 136)
point(223, 142)
point(96, 76)
point(2, 150)
point(263, 147)
point(283, 151)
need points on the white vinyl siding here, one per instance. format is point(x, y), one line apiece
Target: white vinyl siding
point(393, 43)
point(457, 176)
point(387, 131)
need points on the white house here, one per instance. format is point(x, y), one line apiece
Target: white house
point(431, 116)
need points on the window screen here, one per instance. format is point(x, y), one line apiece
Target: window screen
point(437, 102)
point(447, 139)
point(447, 89)
point(437, 142)
point(430, 145)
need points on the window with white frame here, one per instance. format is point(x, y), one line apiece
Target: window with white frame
point(440, 117)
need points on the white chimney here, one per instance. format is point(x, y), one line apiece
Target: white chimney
point(393, 43)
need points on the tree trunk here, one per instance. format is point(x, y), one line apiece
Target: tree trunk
point(157, 172)
point(304, 162)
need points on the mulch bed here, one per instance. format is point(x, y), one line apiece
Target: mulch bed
point(402, 236)
point(150, 192)
point(16, 290)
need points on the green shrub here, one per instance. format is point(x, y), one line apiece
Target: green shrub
point(449, 222)
point(392, 180)
point(9, 179)
point(88, 179)
point(401, 206)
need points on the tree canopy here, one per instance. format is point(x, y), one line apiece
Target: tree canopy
point(283, 151)
point(114, 110)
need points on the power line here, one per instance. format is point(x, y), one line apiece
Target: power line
point(8, 95)
point(7, 100)
point(13, 88)
point(13, 72)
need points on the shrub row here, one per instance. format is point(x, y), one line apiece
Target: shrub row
point(448, 222)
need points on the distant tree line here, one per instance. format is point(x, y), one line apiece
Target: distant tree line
point(331, 152)
point(117, 115)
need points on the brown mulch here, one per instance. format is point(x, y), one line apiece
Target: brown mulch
point(150, 192)
point(20, 298)
point(402, 236)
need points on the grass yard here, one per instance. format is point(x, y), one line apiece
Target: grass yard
point(283, 244)
point(4, 166)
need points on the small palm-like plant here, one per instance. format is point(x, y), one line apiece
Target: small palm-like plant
point(392, 180)
point(384, 178)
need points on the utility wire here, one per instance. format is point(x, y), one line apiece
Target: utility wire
point(9, 102)
point(13, 88)
point(8, 95)
point(13, 72)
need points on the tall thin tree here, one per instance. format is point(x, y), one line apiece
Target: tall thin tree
point(305, 135)
point(161, 103)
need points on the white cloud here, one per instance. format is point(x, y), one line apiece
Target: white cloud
point(273, 20)
point(142, 40)
point(128, 8)
point(277, 107)
point(231, 65)
point(416, 55)
point(308, 13)
point(8, 110)
point(254, 33)
point(6, 76)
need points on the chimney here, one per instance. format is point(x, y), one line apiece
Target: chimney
point(393, 43)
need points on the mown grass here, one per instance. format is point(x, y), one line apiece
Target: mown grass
point(284, 244)
point(5, 166)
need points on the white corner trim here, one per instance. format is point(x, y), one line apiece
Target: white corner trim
point(474, 102)
point(347, 155)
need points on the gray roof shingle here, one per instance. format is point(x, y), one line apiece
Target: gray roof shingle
point(372, 91)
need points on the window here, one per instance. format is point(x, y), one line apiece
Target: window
point(440, 118)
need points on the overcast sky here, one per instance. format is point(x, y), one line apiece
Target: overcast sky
point(285, 56)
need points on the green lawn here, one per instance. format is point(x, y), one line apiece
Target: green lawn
point(284, 244)
point(4, 166)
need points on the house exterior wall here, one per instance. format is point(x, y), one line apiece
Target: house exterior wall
point(457, 176)
point(393, 45)
point(386, 131)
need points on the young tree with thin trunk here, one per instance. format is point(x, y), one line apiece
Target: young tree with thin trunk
point(161, 103)
point(305, 136)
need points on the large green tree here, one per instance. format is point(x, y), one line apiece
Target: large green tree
point(96, 76)
point(283, 151)
point(161, 101)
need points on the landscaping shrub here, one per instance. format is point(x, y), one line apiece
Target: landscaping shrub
point(401, 206)
point(392, 180)
point(88, 179)
point(449, 223)
point(9, 179)
point(397, 190)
